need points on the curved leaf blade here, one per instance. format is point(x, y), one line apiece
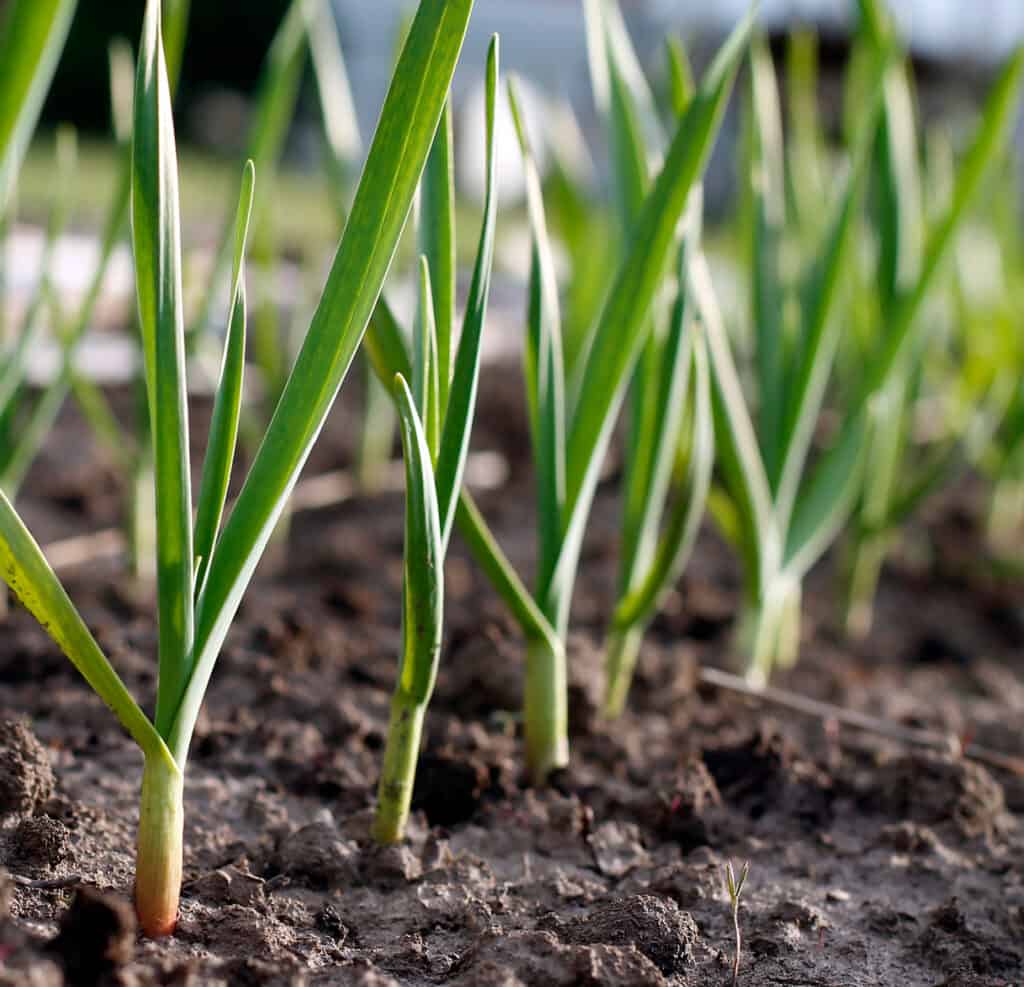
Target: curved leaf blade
point(437, 242)
point(227, 405)
point(767, 190)
point(680, 533)
point(665, 369)
point(156, 241)
point(819, 332)
point(736, 440)
point(31, 579)
point(458, 422)
point(543, 365)
point(32, 37)
point(825, 500)
point(424, 359)
point(619, 336)
point(991, 133)
point(423, 585)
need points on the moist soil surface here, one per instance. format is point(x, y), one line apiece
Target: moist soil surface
point(870, 862)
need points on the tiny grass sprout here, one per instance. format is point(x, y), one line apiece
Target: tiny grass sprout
point(734, 888)
point(197, 597)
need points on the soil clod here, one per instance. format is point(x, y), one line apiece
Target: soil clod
point(932, 788)
point(658, 927)
point(96, 937)
point(537, 959)
point(26, 778)
point(318, 856)
point(37, 845)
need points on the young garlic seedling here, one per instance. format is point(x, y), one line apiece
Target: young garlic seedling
point(203, 571)
point(572, 437)
point(436, 418)
point(781, 511)
point(777, 519)
point(898, 472)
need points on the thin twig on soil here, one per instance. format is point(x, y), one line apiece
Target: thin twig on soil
point(914, 736)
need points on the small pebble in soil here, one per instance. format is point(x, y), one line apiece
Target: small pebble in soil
point(617, 848)
point(26, 778)
point(372, 978)
point(798, 913)
point(96, 937)
point(948, 917)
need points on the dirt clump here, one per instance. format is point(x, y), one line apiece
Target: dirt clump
point(319, 856)
point(36, 846)
point(96, 938)
point(656, 926)
point(26, 778)
point(933, 788)
point(538, 959)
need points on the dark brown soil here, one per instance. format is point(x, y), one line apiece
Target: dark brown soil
point(869, 864)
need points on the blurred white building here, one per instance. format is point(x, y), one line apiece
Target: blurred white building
point(543, 41)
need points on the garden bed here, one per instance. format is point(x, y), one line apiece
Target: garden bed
point(870, 863)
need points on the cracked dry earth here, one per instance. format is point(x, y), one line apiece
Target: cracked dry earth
point(869, 864)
